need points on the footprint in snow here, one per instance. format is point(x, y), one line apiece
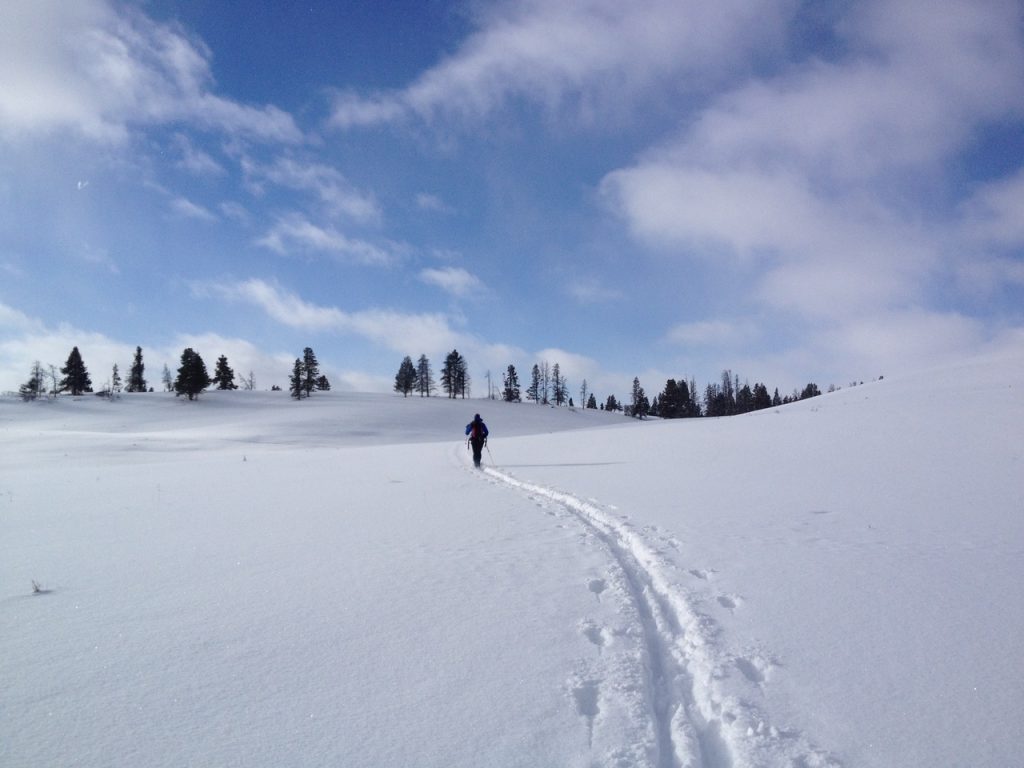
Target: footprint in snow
point(704, 574)
point(593, 633)
point(730, 602)
point(585, 694)
point(756, 668)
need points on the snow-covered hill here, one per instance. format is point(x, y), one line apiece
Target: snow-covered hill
point(251, 581)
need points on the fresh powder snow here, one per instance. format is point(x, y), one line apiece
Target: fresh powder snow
point(246, 580)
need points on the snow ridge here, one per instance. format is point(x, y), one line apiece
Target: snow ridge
point(693, 721)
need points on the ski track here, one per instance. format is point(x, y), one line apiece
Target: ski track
point(691, 720)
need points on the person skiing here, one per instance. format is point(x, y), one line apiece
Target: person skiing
point(477, 432)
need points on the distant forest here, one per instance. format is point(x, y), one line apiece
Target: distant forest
point(547, 386)
point(679, 399)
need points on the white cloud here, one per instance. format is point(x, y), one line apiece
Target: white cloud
point(809, 182)
point(994, 215)
point(325, 183)
point(591, 291)
point(99, 69)
point(428, 202)
point(194, 160)
point(591, 57)
point(454, 280)
point(295, 232)
point(397, 331)
point(716, 333)
point(186, 209)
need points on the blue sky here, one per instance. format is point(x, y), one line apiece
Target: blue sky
point(822, 191)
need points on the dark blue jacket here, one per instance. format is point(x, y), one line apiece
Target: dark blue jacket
point(483, 427)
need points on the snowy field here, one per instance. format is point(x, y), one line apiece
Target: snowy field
point(250, 581)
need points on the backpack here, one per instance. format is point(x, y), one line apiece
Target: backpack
point(477, 433)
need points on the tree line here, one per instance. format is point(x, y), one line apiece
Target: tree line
point(192, 379)
point(548, 386)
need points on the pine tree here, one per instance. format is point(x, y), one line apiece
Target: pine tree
point(405, 379)
point(76, 378)
point(511, 393)
point(424, 377)
point(592, 402)
point(811, 390)
point(611, 404)
point(167, 380)
point(192, 375)
point(296, 382)
point(455, 375)
point(533, 391)
point(559, 389)
point(35, 385)
point(310, 371)
point(115, 381)
point(673, 401)
point(762, 399)
point(136, 375)
point(223, 376)
point(323, 384)
point(639, 405)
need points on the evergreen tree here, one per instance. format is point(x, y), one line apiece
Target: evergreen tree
point(559, 389)
point(192, 375)
point(297, 381)
point(533, 391)
point(511, 393)
point(811, 390)
point(310, 371)
point(167, 380)
point(694, 409)
point(223, 376)
point(35, 385)
point(639, 405)
point(762, 399)
point(673, 402)
point(115, 381)
point(136, 375)
point(323, 384)
point(455, 375)
point(776, 400)
point(405, 379)
point(424, 377)
point(744, 399)
point(592, 402)
point(76, 378)
point(611, 404)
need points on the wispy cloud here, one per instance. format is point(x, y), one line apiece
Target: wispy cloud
point(325, 183)
point(394, 330)
point(186, 209)
point(194, 160)
point(584, 57)
point(101, 70)
point(592, 291)
point(295, 232)
point(428, 202)
point(810, 180)
point(455, 280)
point(713, 333)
